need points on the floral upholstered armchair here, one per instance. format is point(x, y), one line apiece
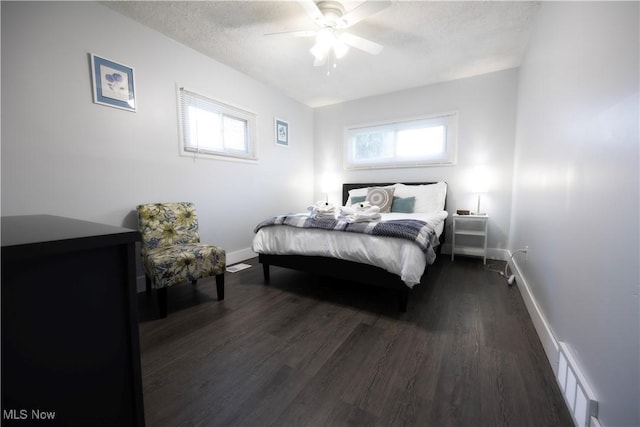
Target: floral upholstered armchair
point(172, 252)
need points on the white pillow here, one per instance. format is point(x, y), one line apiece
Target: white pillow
point(429, 197)
point(356, 192)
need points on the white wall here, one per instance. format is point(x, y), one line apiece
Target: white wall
point(576, 191)
point(486, 106)
point(64, 155)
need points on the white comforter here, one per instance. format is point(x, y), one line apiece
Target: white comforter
point(398, 256)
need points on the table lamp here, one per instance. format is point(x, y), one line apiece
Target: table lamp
point(328, 184)
point(479, 185)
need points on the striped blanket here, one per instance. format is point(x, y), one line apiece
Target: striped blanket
point(414, 230)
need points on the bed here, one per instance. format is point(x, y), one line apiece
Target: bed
point(389, 262)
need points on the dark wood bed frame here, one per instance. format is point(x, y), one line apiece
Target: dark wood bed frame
point(346, 270)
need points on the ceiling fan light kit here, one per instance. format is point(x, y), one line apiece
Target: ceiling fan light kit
point(331, 43)
point(326, 40)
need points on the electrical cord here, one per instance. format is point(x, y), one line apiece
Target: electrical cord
point(511, 278)
point(490, 267)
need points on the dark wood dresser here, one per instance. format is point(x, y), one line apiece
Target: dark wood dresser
point(70, 348)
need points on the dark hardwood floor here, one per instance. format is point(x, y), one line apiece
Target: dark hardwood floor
point(309, 351)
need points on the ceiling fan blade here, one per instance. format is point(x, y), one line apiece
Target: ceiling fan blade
point(359, 43)
point(298, 33)
point(366, 9)
point(311, 8)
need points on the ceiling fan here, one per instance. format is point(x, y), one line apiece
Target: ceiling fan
point(332, 42)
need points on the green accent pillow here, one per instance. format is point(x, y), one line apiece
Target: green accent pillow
point(403, 205)
point(357, 199)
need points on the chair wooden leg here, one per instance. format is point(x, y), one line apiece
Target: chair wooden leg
point(220, 286)
point(148, 283)
point(162, 302)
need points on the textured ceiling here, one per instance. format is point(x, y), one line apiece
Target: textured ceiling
point(424, 42)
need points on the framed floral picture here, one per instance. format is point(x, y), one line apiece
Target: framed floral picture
point(113, 84)
point(282, 132)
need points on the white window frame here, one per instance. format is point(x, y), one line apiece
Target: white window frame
point(192, 149)
point(447, 158)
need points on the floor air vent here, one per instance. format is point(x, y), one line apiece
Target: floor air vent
point(577, 393)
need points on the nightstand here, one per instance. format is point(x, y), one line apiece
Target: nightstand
point(470, 234)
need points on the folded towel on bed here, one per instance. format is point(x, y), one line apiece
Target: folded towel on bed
point(360, 213)
point(322, 210)
point(362, 206)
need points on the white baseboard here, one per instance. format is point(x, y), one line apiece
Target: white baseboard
point(546, 335)
point(232, 258)
point(239, 256)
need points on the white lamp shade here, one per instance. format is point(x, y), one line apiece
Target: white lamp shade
point(480, 180)
point(329, 182)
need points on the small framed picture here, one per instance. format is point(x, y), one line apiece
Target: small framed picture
point(113, 84)
point(282, 132)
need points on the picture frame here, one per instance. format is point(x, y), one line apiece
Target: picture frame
point(281, 132)
point(113, 83)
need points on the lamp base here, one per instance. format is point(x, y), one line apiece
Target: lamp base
point(478, 211)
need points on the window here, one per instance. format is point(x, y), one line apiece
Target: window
point(212, 129)
point(415, 142)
